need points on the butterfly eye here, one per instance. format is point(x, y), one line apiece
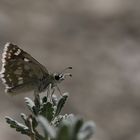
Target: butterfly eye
point(57, 77)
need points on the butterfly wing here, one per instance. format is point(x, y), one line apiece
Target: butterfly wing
point(20, 71)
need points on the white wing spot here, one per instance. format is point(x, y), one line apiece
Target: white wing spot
point(25, 59)
point(18, 52)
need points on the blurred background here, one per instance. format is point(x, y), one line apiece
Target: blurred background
point(100, 39)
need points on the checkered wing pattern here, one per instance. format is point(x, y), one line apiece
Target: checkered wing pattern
point(20, 71)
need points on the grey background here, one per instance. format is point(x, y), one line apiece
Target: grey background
point(100, 39)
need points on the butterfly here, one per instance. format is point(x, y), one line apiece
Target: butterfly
point(22, 73)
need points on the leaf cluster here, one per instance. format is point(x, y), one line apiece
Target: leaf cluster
point(45, 113)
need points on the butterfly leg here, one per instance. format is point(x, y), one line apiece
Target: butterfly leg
point(51, 96)
point(59, 90)
point(49, 91)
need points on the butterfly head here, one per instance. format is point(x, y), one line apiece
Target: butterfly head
point(61, 76)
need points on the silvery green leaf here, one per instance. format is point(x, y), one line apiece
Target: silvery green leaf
point(68, 117)
point(57, 120)
point(48, 129)
point(47, 111)
point(61, 103)
point(87, 130)
point(61, 118)
point(31, 105)
point(18, 126)
point(24, 118)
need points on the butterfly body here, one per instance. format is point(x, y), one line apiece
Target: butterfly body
point(21, 72)
point(44, 83)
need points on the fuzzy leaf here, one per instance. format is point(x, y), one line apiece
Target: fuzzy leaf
point(30, 104)
point(60, 118)
point(57, 120)
point(24, 118)
point(61, 103)
point(69, 118)
point(47, 111)
point(18, 126)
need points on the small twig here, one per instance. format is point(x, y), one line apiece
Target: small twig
point(31, 128)
point(33, 137)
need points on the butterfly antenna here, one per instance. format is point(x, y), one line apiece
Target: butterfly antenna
point(68, 68)
point(66, 74)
